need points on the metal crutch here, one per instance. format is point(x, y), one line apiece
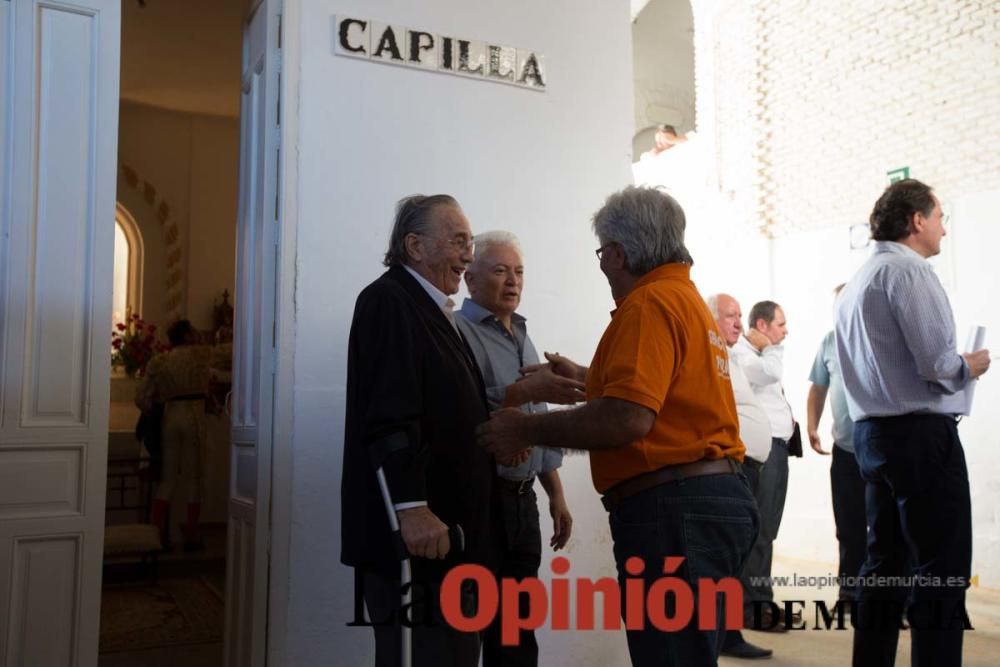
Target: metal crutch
point(455, 535)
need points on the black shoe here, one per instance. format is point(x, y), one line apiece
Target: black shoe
point(769, 621)
point(746, 650)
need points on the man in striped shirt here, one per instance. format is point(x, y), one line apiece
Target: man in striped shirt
point(906, 385)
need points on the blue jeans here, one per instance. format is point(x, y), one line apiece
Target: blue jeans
point(919, 516)
point(711, 521)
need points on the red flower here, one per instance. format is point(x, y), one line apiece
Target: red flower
point(134, 344)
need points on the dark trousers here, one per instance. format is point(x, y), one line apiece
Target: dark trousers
point(751, 470)
point(771, 491)
point(521, 557)
point(848, 491)
point(435, 643)
point(712, 522)
point(919, 512)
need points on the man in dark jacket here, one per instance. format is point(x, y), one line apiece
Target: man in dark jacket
point(414, 398)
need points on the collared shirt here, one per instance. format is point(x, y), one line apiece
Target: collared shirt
point(895, 338)
point(764, 370)
point(826, 373)
point(662, 350)
point(443, 301)
point(500, 355)
point(755, 428)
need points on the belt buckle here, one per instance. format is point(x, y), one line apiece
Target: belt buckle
point(524, 486)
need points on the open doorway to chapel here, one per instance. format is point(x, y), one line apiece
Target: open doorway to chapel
point(175, 254)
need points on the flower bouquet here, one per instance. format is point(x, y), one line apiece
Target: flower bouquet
point(133, 344)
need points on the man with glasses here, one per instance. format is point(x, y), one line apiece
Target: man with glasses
point(906, 385)
point(414, 398)
point(660, 424)
point(498, 337)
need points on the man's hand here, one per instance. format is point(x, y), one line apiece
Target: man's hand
point(424, 535)
point(815, 443)
point(978, 361)
point(562, 522)
point(560, 366)
point(501, 435)
point(758, 340)
point(517, 459)
point(544, 385)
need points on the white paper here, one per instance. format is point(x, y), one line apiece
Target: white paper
point(974, 341)
point(977, 336)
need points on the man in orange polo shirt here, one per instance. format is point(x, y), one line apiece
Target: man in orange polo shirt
point(660, 422)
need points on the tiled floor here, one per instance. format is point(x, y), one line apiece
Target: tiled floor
point(196, 655)
point(209, 563)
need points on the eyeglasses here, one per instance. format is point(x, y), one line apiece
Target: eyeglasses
point(600, 251)
point(459, 242)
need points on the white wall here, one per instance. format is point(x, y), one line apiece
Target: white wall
point(538, 164)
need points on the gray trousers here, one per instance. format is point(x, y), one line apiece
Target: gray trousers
point(770, 494)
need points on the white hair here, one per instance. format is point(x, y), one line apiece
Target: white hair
point(487, 240)
point(713, 305)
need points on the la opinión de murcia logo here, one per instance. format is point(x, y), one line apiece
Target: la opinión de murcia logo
point(551, 602)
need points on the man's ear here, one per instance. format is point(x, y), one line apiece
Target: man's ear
point(413, 247)
point(917, 222)
point(617, 257)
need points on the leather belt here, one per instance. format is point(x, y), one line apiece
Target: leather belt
point(517, 487)
point(630, 487)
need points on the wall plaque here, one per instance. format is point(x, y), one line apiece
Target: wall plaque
point(409, 47)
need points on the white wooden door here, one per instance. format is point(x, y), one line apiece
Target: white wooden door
point(253, 348)
point(58, 153)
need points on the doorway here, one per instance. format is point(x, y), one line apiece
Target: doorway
point(164, 573)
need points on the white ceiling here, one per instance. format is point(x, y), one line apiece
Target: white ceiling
point(183, 55)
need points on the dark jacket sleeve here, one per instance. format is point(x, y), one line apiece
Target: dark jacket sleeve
point(389, 359)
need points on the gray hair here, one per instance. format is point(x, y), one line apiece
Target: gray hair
point(413, 215)
point(648, 224)
point(487, 240)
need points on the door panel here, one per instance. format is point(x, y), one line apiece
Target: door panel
point(253, 344)
point(59, 113)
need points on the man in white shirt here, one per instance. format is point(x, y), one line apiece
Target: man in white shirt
point(755, 432)
point(759, 355)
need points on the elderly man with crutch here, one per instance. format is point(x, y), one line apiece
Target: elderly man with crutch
point(414, 398)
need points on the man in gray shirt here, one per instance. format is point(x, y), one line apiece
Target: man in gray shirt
point(847, 488)
point(906, 385)
point(498, 338)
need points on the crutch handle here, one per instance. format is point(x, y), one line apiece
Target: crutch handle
point(457, 538)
